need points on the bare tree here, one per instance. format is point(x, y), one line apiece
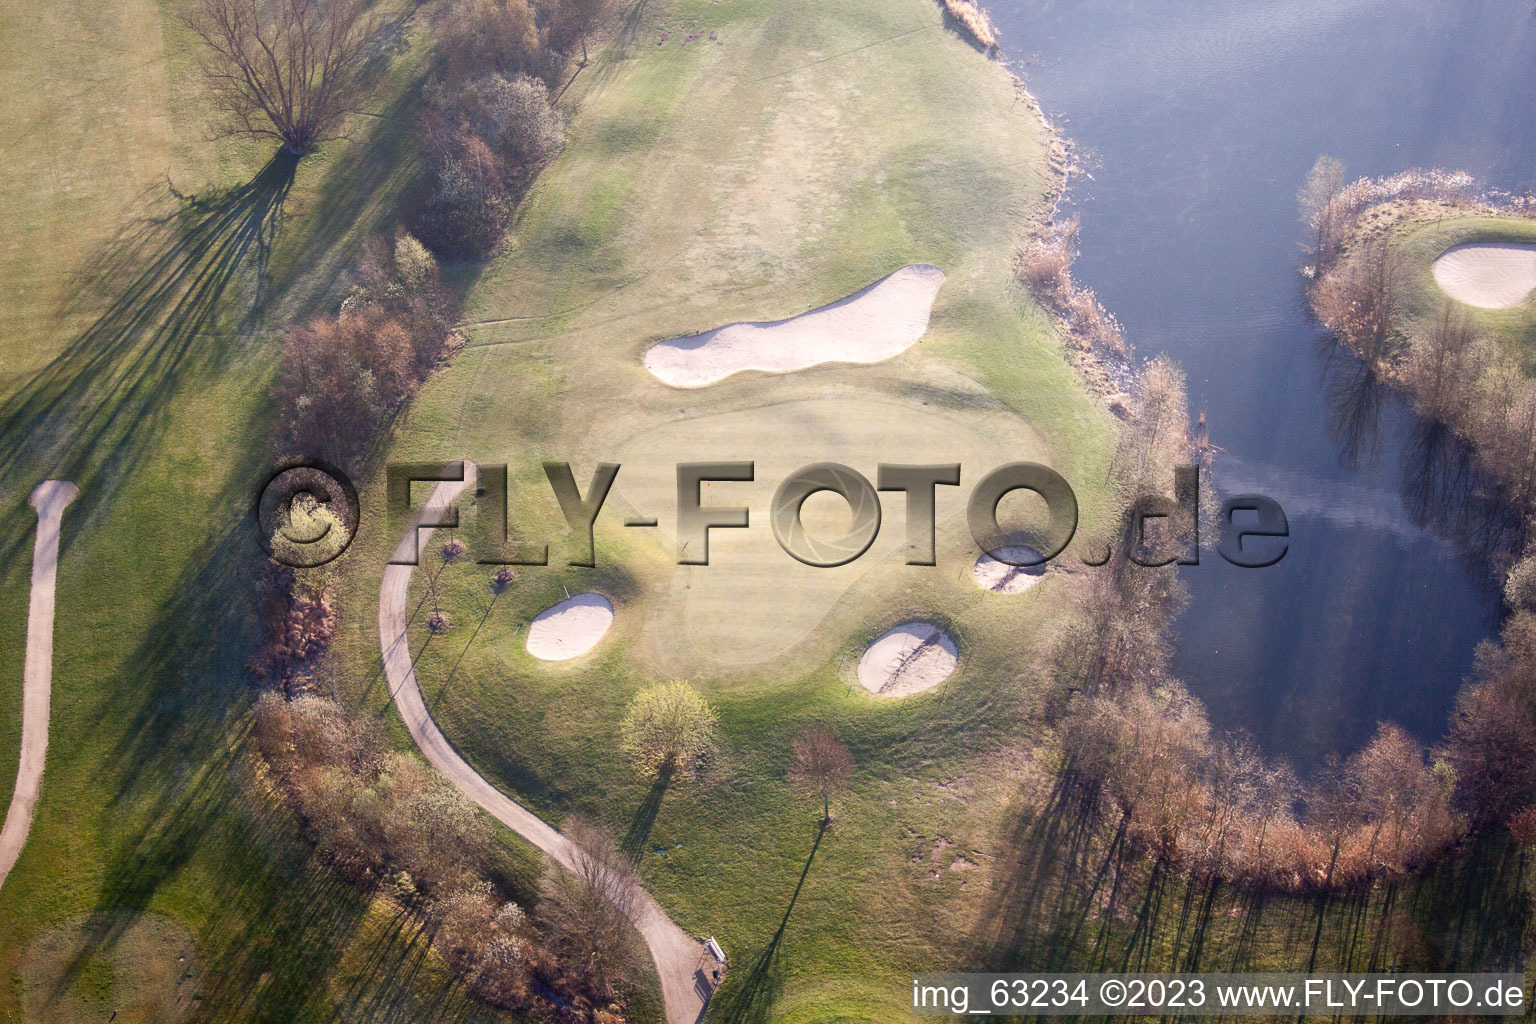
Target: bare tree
point(1438, 366)
point(589, 909)
point(820, 764)
point(572, 21)
point(1360, 299)
point(1319, 211)
point(285, 69)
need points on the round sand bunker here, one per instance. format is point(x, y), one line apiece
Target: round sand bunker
point(571, 628)
point(1491, 275)
point(907, 659)
point(1003, 578)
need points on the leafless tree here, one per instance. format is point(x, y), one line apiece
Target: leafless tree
point(572, 21)
point(589, 909)
point(1438, 371)
point(1319, 211)
point(285, 69)
point(821, 764)
point(1360, 299)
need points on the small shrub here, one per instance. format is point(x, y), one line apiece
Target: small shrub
point(1520, 584)
point(467, 208)
point(491, 34)
point(414, 264)
point(501, 579)
point(669, 727)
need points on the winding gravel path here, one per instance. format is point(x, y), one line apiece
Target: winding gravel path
point(49, 499)
point(675, 951)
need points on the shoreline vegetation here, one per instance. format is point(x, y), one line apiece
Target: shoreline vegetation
point(1136, 743)
point(1372, 246)
point(968, 15)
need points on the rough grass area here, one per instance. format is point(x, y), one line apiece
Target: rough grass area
point(150, 395)
point(136, 967)
point(1423, 231)
point(748, 161)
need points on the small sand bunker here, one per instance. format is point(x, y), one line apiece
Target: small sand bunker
point(1493, 275)
point(571, 628)
point(909, 658)
point(1002, 578)
point(875, 323)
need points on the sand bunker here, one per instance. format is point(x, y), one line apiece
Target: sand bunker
point(875, 323)
point(910, 658)
point(571, 628)
point(1002, 578)
point(1493, 275)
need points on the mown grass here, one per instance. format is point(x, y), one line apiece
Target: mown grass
point(1422, 236)
point(151, 396)
point(786, 156)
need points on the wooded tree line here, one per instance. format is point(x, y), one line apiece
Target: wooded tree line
point(1212, 805)
point(393, 825)
point(1466, 380)
point(297, 71)
point(489, 123)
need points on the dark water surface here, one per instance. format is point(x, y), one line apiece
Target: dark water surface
point(1197, 121)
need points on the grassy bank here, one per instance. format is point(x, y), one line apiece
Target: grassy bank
point(1420, 232)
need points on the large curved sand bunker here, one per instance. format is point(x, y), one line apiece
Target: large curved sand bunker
point(908, 658)
point(1492, 275)
point(868, 326)
point(1002, 578)
point(571, 628)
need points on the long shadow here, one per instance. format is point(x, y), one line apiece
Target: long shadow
point(91, 413)
point(640, 825)
point(1050, 882)
point(187, 793)
point(750, 1001)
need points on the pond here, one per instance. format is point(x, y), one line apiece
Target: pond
point(1197, 122)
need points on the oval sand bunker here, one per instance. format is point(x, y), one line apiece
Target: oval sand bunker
point(1002, 578)
point(907, 659)
point(571, 628)
point(1492, 275)
point(868, 326)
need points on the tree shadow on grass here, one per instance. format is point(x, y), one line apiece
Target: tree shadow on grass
point(751, 1000)
point(1048, 881)
point(287, 936)
point(1074, 894)
point(92, 413)
point(640, 825)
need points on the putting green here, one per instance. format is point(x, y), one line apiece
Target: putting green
point(755, 603)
